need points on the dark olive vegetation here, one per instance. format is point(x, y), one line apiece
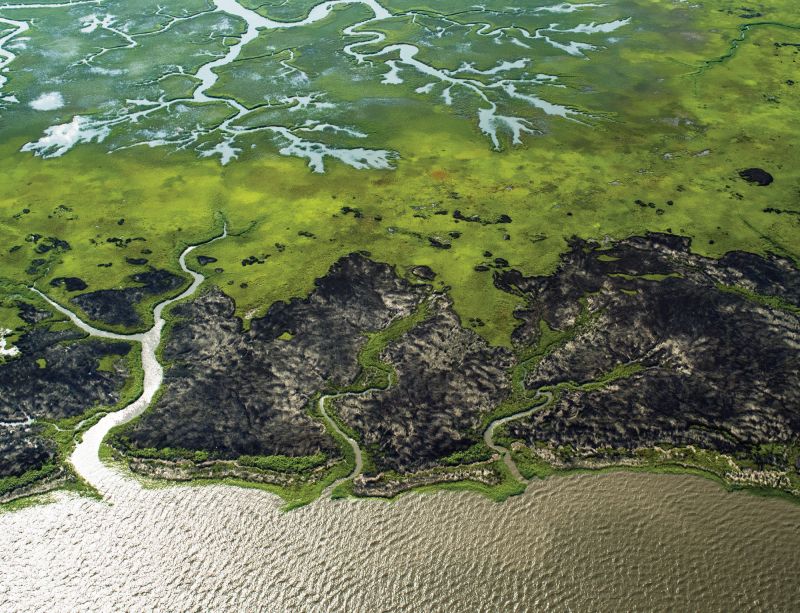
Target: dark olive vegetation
point(24, 450)
point(687, 129)
point(703, 365)
point(236, 392)
point(118, 307)
point(423, 272)
point(71, 284)
point(759, 176)
point(50, 391)
point(55, 377)
point(629, 335)
point(643, 342)
point(447, 377)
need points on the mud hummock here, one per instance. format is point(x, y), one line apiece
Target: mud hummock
point(644, 344)
point(71, 284)
point(237, 392)
point(22, 448)
point(663, 347)
point(448, 379)
point(118, 307)
point(758, 176)
point(57, 375)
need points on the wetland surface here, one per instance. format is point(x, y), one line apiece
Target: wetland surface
point(472, 247)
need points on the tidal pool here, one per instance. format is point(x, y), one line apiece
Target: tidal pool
point(619, 541)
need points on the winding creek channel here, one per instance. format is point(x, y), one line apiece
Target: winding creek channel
point(85, 459)
point(488, 434)
point(364, 42)
point(358, 458)
point(592, 542)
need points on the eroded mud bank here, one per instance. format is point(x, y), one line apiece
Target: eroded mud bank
point(640, 342)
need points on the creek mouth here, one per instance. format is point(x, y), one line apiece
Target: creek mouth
point(358, 457)
point(488, 434)
point(85, 458)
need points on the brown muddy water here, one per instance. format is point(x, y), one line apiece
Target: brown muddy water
point(613, 542)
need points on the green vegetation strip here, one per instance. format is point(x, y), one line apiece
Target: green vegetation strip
point(770, 301)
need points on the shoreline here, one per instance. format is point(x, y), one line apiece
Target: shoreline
point(498, 492)
point(336, 479)
point(498, 466)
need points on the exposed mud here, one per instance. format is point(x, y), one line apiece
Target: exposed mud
point(389, 485)
point(23, 448)
point(653, 346)
point(697, 363)
point(234, 392)
point(71, 284)
point(759, 176)
point(30, 314)
point(56, 375)
point(448, 378)
point(204, 260)
point(647, 345)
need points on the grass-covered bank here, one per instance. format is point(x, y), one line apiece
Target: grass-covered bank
point(656, 150)
point(544, 461)
point(296, 480)
point(662, 155)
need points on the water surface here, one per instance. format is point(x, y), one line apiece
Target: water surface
point(593, 542)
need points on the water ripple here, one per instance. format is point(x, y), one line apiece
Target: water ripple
point(593, 542)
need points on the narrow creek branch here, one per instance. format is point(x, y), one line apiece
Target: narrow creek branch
point(488, 434)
